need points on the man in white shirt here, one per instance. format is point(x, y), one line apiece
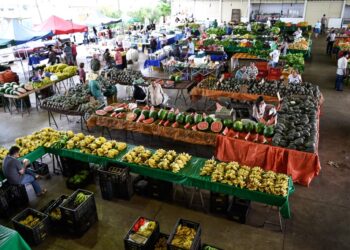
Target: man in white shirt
point(275, 57)
point(341, 71)
point(330, 41)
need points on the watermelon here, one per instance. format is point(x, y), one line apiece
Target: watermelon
point(108, 108)
point(175, 125)
point(198, 118)
point(209, 119)
point(131, 117)
point(203, 126)
point(216, 126)
point(189, 119)
point(228, 123)
point(161, 122)
point(2, 90)
point(153, 114)
point(238, 126)
point(171, 117)
point(166, 124)
point(177, 79)
point(121, 115)
point(149, 120)
point(141, 118)
point(248, 127)
point(260, 127)
point(180, 118)
point(226, 130)
point(100, 112)
point(172, 77)
point(187, 126)
point(269, 131)
point(146, 113)
point(194, 128)
point(162, 114)
point(137, 111)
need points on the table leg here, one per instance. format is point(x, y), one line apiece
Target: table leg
point(183, 96)
point(22, 107)
point(37, 101)
point(177, 96)
point(53, 118)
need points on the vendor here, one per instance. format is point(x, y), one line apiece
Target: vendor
point(298, 34)
point(108, 58)
point(263, 113)
point(252, 71)
point(294, 77)
point(274, 57)
point(241, 74)
point(118, 59)
point(52, 56)
point(156, 95)
point(95, 87)
point(190, 47)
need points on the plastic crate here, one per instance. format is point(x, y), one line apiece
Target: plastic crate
point(5, 211)
point(238, 210)
point(83, 225)
point(18, 195)
point(213, 247)
point(35, 235)
point(161, 235)
point(149, 244)
point(106, 187)
point(73, 215)
point(70, 166)
point(196, 243)
point(55, 225)
point(115, 172)
point(80, 185)
point(218, 202)
point(161, 190)
point(140, 187)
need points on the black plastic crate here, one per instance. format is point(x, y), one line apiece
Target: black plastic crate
point(106, 187)
point(71, 214)
point(204, 247)
point(196, 243)
point(18, 196)
point(82, 184)
point(71, 166)
point(218, 203)
point(149, 244)
point(124, 190)
point(161, 190)
point(5, 211)
point(141, 187)
point(55, 224)
point(238, 210)
point(33, 235)
point(80, 227)
point(40, 168)
point(115, 172)
point(161, 235)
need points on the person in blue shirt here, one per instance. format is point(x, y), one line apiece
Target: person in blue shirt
point(190, 47)
point(242, 74)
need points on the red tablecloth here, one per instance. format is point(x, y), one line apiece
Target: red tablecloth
point(302, 166)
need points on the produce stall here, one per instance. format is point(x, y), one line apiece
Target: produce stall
point(302, 46)
point(182, 168)
point(11, 239)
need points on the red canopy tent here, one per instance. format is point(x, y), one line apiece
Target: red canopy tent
point(59, 26)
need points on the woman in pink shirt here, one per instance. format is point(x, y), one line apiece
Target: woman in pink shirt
point(74, 52)
point(118, 59)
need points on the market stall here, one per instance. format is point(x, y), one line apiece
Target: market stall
point(11, 239)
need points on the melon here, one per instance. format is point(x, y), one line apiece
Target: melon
point(162, 114)
point(194, 128)
point(146, 113)
point(226, 130)
point(260, 127)
point(189, 119)
point(238, 126)
point(100, 112)
point(161, 122)
point(216, 126)
point(171, 117)
point(153, 114)
point(209, 119)
point(141, 118)
point(121, 115)
point(108, 108)
point(167, 123)
point(228, 123)
point(187, 126)
point(131, 117)
point(203, 126)
point(175, 125)
point(137, 111)
point(269, 131)
point(149, 120)
point(180, 118)
point(248, 127)
point(198, 118)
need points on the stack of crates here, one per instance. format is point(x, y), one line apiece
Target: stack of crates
point(218, 203)
point(78, 219)
point(12, 197)
point(115, 182)
point(196, 243)
point(160, 190)
point(238, 210)
point(33, 235)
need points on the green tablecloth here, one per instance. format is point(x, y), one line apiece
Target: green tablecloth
point(11, 240)
point(188, 176)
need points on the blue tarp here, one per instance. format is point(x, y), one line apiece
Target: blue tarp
point(15, 33)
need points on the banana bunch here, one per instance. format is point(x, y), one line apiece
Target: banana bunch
point(45, 137)
point(231, 173)
point(80, 198)
point(138, 155)
point(281, 185)
point(3, 153)
point(255, 178)
point(167, 160)
point(55, 214)
point(268, 182)
point(180, 162)
point(183, 237)
point(208, 167)
point(155, 158)
point(219, 172)
point(147, 229)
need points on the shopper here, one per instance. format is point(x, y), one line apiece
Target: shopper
point(82, 74)
point(252, 71)
point(294, 77)
point(330, 42)
point(241, 74)
point(324, 22)
point(341, 71)
point(68, 54)
point(52, 56)
point(17, 172)
point(215, 23)
point(274, 57)
point(118, 58)
point(95, 63)
point(95, 87)
point(108, 58)
point(74, 53)
point(156, 95)
point(317, 28)
point(153, 44)
point(190, 47)
point(109, 31)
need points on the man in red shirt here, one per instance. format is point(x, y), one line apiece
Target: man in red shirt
point(74, 52)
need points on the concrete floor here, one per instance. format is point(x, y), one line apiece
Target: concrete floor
point(320, 213)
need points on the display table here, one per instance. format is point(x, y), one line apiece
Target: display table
point(301, 166)
point(177, 134)
point(11, 240)
point(188, 176)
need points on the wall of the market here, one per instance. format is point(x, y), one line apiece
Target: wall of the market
point(202, 9)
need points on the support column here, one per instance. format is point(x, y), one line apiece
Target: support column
point(220, 11)
point(304, 13)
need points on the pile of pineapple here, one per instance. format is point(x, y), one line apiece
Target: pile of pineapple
point(100, 146)
point(255, 178)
